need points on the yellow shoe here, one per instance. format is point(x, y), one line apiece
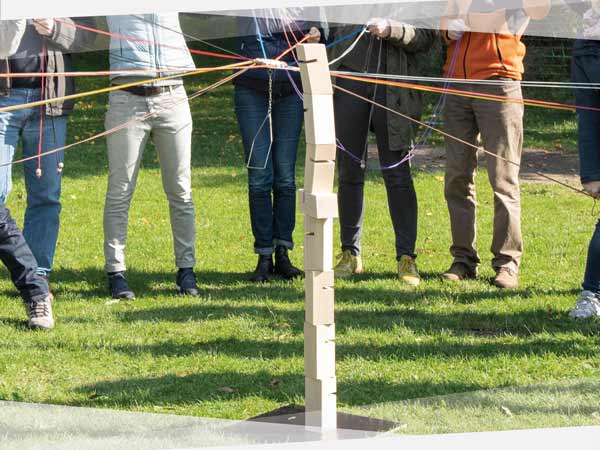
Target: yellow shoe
point(348, 265)
point(407, 271)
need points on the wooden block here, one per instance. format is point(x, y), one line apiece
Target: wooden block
point(320, 206)
point(321, 402)
point(314, 69)
point(320, 298)
point(319, 351)
point(319, 119)
point(324, 152)
point(319, 177)
point(318, 244)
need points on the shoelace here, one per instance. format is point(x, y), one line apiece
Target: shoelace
point(38, 309)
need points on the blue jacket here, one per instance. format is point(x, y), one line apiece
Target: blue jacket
point(259, 33)
point(155, 43)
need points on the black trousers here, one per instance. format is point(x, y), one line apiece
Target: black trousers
point(18, 259)
point(354, 120)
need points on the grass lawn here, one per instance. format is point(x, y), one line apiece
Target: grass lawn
point(237, 351)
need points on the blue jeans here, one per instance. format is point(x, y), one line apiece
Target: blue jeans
point(41, 222)
point(271, 165)
point(18, 259)
point(592, 272)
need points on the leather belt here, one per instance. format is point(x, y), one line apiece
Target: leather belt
point(147, 91)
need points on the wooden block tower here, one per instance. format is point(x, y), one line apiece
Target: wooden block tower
point(319, 205)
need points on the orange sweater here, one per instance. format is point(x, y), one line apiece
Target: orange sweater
point(485, 55)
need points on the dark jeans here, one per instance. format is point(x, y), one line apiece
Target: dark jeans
point(271, 165)
point(352, 126)
point(18, 259)
point(586, 69)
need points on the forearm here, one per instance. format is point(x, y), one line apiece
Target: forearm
point(11, 32)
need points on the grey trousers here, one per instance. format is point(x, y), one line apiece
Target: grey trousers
point(171, 131)
point(501, 127)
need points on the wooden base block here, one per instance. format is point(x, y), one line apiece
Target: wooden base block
point(318, 244)
point(319, 351)
point(319, 119)
point(314, 69)
point(319, 177)
point(321, 402)
point(323, 152)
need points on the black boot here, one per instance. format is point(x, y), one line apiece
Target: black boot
point(283, 265)
point(264, 269)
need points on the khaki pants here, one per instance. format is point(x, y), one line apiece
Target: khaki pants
point(500, 125)
point(171, 130)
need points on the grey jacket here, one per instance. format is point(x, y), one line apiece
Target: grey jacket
point(11, 32)
point(66, 38)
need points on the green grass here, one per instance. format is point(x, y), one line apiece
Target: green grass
point(237, 351)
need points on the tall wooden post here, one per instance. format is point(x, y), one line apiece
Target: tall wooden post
point(319, 205)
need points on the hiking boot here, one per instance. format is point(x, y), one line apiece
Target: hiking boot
point(348, 265)
point(407, 271)
point(459, 271)
point(40, 314)
point(283, 265)
point(264, 269)
point(588, 305)
point(506, 278)
point(186, 283)
point(118, 287)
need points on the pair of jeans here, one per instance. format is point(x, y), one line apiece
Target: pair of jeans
point(271, 164)
point(18, 259)
point(354, 119)
point(586, 69)
point(171, 130)
point(42, 215)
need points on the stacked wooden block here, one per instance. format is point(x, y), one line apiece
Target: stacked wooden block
point(319, 205)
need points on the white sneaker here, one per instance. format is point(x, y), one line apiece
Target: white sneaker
point(587, 306)
point(40, 314)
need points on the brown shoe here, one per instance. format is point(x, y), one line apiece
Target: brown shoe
point(506, 278)
point(459, 271)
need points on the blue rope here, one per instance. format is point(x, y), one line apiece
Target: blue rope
point(345, 38)
point(259, 35)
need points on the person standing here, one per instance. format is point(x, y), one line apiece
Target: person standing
point(586, 69)
point(391, 47)
point(496, 56)
point(270, 116)
point(151, 42)
point(14, 251)
point(45, 47)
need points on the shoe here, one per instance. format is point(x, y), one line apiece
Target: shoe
point(264, 269)
point(186, 283)
point(348, 265)
point(506, 278)
point(40, 314)
point(118, 287)
point(588, 305)
point(283, 265)
point(407, 271)
point(459, 271)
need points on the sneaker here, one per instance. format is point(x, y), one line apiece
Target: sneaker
point(506, 278)
point(588, 305)
point(118, 287)
point(40, 314)
point(264, 269)
point(348, 265)
point(459, 271)
point(283, 265)
point(186, 283)
point(407, 271)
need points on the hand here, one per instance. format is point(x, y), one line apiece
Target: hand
point(456, 28)
point(380, 28)
point(315, 36)
point(592, 188)
point(44, 27)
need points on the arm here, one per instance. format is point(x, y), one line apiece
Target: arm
point(69, 38)
point(537, 9)
point(410, 38)
point(11, 32)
